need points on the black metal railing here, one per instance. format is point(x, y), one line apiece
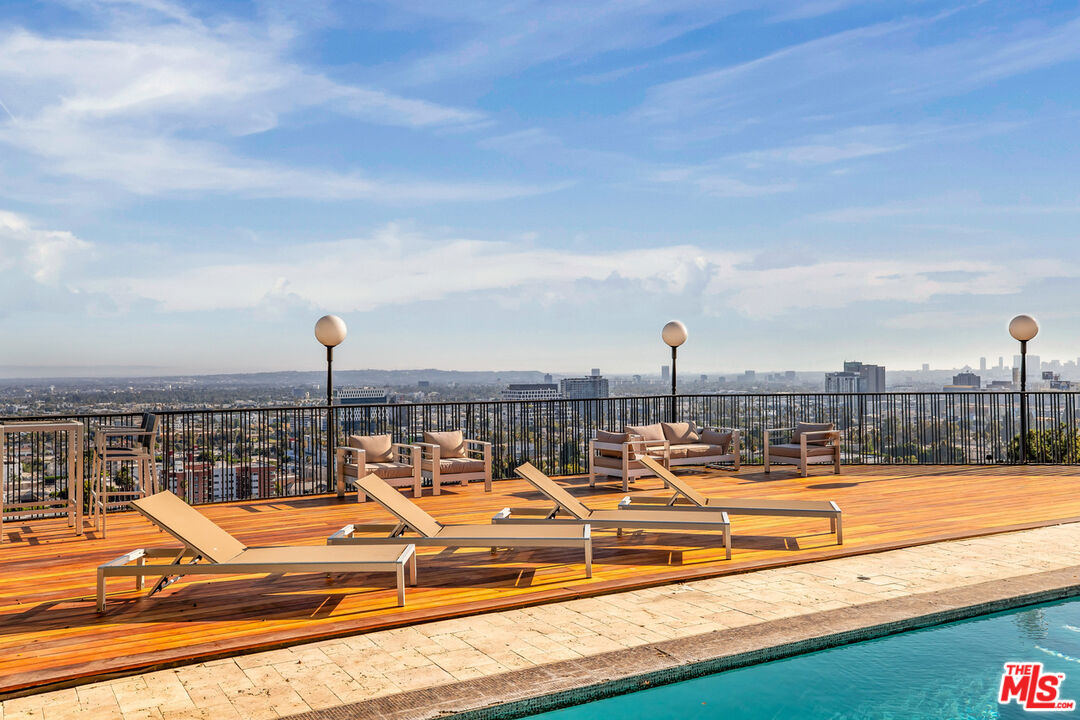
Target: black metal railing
point(218, 455)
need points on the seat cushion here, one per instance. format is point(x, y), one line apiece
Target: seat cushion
point(605, 461)
point(790, 450)
point(695, 450)
point(604, 436)
point(715, 437)
point(652, 433)
point(387, 470)
point(451, 443)
point(801, 427)
point(376, 447)
point(681, 433)
point(453, 466)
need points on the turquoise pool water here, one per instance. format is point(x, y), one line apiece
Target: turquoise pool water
point(948, 671)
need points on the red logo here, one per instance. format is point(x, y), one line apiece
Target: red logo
point(1031, 688)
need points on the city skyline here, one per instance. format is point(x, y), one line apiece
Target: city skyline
point(188, 187)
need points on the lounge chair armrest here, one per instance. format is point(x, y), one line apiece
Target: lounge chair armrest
point(826, 434)
point(527, 511)
point(344, 450)
point(481, 447)
point(126, 558)
point(653, 500)
point(776, 430)
point(354, 528)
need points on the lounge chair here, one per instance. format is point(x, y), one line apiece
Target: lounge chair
point(430, 532)
point(449, 457)
point(687, 498)
point(569, 510)
point(396, 463)
point(212, 551)
point(810, 444)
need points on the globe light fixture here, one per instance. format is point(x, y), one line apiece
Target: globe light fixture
point(674, 334)
point(330, 330)
point(1023, 328)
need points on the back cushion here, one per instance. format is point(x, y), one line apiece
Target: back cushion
point(652, 433)
point(614, 438)
point(713, 437)
point(802, 427)
point(376, 447)
point(451, 443)
point(681, 433)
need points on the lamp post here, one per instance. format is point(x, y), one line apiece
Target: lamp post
point(674, 334)
point(330, 330)
point(1023, 328)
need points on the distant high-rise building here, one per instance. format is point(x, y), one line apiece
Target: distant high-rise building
point(1034, 363)
point(665, 372)
point(789, 374)
point(1001, 362)
point(584, 388)
point(966, 380)
point(749, 374)
point(531, 391)
point(596, 372)
point(704, 378)
point(926, 367)
point(547, 377)
point(982, 364)
point(868, 378)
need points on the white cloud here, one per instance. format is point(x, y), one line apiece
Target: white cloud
point(151, 106)
point(34, 252)
point(713, 182)
point(398, 268)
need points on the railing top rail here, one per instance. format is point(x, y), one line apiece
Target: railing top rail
point(620, 398)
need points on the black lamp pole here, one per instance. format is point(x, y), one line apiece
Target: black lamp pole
point(671, 410)
point(330, 425)
point(1023, 402)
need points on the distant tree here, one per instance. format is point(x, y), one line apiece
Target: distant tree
point(1060, 444)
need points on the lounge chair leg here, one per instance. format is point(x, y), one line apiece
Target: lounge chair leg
point(139, 578)
point(727, 543)
point(400, 585)
point(618, 532)
point(588, 558)
point(592, 479)
point(839, 531)
point(100, 590)
point(435, 484)
point(412, 570)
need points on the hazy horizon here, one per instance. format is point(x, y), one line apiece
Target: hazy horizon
point(189, 186)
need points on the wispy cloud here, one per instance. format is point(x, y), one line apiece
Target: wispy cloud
point(40, 254)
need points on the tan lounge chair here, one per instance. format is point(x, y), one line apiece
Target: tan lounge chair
point(430, 532)
point(688, 498)
point(810, 444)
point(212, 551)
point(568, 509)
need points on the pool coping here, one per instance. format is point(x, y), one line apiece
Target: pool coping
point(519, 693)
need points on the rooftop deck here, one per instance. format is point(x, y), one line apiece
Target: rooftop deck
point(50, 632)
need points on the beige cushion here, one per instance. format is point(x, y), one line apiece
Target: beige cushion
point(791, 450)
point(453, 466)
point(652, 433)
point(605, 461)
point(376, 447)
point(451, 443)
point(801, 427)
point(387, 470)
point(604, 436)
point(681, 433)
point(695, 450)
point(714, 437)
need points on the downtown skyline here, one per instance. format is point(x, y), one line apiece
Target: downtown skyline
point(188, 187)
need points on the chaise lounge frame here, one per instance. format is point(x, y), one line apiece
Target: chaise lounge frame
point(210, 550)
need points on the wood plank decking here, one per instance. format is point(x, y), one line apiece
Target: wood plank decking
point(50, 632)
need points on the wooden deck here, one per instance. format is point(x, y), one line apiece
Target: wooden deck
point(50, 633)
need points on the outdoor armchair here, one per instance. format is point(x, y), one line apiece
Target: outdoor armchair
point(807, 444)
point(396, 463)
point(450, 457)
point(615, 455)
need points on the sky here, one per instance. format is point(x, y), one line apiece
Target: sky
point(187, 187)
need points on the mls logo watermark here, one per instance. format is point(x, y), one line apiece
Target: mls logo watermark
point(1032, 689)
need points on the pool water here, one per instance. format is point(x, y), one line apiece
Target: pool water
point(947, 671)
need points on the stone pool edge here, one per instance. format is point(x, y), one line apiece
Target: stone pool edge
point(519, 693)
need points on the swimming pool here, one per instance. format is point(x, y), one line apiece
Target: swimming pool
point(947, 671)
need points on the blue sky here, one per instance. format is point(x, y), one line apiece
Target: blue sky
point(536, 185)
